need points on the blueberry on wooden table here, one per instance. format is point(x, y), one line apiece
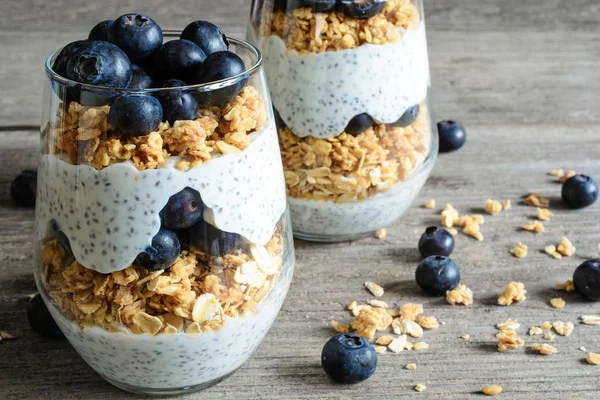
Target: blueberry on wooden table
point(359, 124)
point(360, 9)
point(178, 59)
point(100, 30)
point(140, 79)
point(580, 191)
point(437, 274)
point(23, 188)
point(135, 115)
point(209, 37)
point(137, 35)
point(587, 279)
point(436, 242)
point(41, 320)
point(349, 358)
point(183, 210)
point(101, 64)
point(452, 135)
point(162, 253)
point(409, 117)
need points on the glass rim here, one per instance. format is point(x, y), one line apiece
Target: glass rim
point(203, 87)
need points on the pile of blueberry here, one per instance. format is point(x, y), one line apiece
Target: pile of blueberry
point(437, 273)
point(129, 53)
point(350, 8)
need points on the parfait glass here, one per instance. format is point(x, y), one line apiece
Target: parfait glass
point(350, 85)
point(164, 258)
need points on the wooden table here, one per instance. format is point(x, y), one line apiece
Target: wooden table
point(522, 76)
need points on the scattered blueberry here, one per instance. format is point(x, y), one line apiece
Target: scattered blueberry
point(23, 188)
point(101, 64)
point(349, 358)
point(436, 242)
point(140, 79)
point(437, 274)
point(60, 62)
point(452, 135)
point(409, 117)
point(180, 59)
point(61, 237)
point(359, 124)
point(41, 320)
point(100, 31)
point(183, 209)
point(218, 66)
point(178, 105)
point(360, 9)
point(587, 279)
point(137, 35)
point(211, 240)
point(209, 37)
point(135, 114)
point(580, 191)
point(162, 253)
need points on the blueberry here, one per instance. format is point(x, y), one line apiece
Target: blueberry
point(137, 35)
point(183, 209)
point(101, 64)
point(135, 115)
point(218, 66)
point(170, 83)
point(162, 253)
point(211, 240)
point(436, 242)
point(580, 191)
point(349, 358)
point(587, 279)
point(179, 59)
point(318, 6)
point(359, 124)
point(23, 188)
point(437, 274)
point(409, 117)
point(41, 320)
point(140, 79)
point(61, 237)
point(452, 135)
point(60, 62)
point(210, 38)
point(178, 105)
point(100, 31)
point(360, 9)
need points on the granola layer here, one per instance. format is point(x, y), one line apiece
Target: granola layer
point(84, 136)
point(308, 32)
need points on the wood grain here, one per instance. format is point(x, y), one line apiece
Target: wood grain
point(523, 77)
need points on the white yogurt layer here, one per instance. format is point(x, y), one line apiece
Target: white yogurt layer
point(110, 216)
point(315, 218)
point(317, 94)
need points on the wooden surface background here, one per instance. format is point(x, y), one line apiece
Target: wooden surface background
point(523, 76)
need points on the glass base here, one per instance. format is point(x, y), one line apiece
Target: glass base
point(158, 392)
point(332, 238)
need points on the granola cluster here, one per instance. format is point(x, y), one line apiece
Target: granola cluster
point(194, 295)
point(308, 32)
point(350, 168)
point(84, 136)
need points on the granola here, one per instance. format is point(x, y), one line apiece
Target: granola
point(513, 292)
point(558, 302)
point(565, 247)
point(461, 295)
point(593, 358)
point(544, 349)
point(430, 204)
point(535, 227)
point(493, 207)
point(536, 199)
point(563, 328)
point(509, 340)
point(567, 286)
point(492, 390)
point(519, 251)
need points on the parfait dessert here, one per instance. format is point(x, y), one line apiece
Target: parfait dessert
point(349, 80)
point(164, 244)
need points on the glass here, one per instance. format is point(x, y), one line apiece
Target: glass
point(164, 258)
point(350, 84)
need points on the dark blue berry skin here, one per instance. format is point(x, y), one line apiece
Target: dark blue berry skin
point(178, 105)
point(349, 358)
point(137, 35)
point(359, 124)
point(437, 274)
point(100, 64)
point(218, 66)
point(169, 83)
point(23, 188)
point(353, 9)
point(100, 31)
point(41, 320)
point(318, 6)
point(587, 279)
point(162, 253)
point(60, 62)
point(61, 237)
point(178, 59)
point(135, 115)
point(183, 210)
point(580, 191)
point(140, 79)
point(452, 135)
point(211, 240)
point(210, 38)
point(436, 242)
point(409, 117)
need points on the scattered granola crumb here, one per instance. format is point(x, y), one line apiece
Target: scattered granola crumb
point(339, 327)
point(565, 247)
point(509, 340)
point(549, 336)
point(472, 229)
point(546, 325)
point(466, 336)
point(374, 288)
point(491, 390)
point(535, 330)
point(352, 305)
point(567, 175)
point(593, 358)
point(384, 340)
point(380, 349)
point(557, 172)
point(452, 231)
point(399, 344)
point(551, 251)
point(7, 336)
point(509, 324)
point(410, 311)
point(563, 328)
point(420, 387)
point(513, 292)
point(461, 295)
point(493, 207)
point(420, 346)
point(544, 214)
point(582, 348)
point(544, 349)
point(535, 199)
point(430, 204)
point(590, 319)
point(449, 216)
point(369, 320)
point(535, 227)
point(506, 205)
point(378, 303)
point(411, 366)
point(428, 322)
point(381, 233)
point(557, 302)
point(520, 250)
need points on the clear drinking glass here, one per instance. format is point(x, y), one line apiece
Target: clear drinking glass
point(208, 193)
point(350, 84)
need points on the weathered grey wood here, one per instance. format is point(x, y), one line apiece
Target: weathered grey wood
point(524, 78)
